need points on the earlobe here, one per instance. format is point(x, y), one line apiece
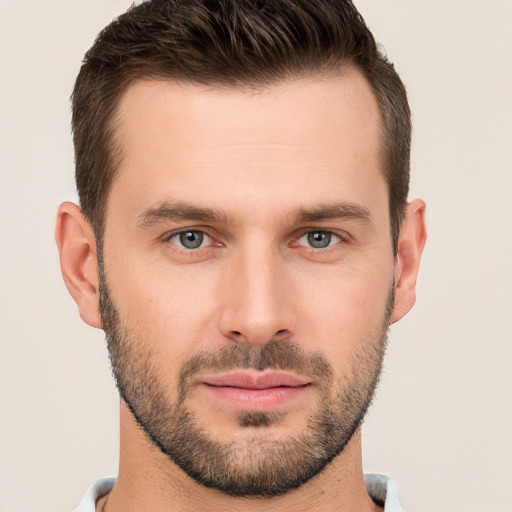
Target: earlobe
point(411, 242)
point(77, 250)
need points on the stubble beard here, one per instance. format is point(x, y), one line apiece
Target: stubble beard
point(260, 466)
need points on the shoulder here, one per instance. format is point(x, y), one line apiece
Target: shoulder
point(383, 491)
point(95, 491)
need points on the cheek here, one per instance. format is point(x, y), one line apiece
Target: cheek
point(348, 310)
point(171, 308)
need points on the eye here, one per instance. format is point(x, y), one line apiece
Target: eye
point(190, 239)
point(319, 239)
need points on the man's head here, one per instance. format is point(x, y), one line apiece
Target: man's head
point(239, 191)
point(230, 44)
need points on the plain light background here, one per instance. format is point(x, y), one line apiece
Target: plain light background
point(442, 420)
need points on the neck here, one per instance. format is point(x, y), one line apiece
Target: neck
point(148, 480)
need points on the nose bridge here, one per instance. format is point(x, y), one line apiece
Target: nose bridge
point(256, 306)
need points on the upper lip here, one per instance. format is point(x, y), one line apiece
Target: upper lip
point(255, 380)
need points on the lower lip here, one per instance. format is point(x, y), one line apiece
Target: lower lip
point(257, 399)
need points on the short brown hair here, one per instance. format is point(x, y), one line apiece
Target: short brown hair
point(229, 43)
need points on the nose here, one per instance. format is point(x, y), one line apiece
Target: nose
point(257, 298)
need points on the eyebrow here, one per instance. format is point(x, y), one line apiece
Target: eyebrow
point(187, 212)
point(336, 211)
point(179, 212)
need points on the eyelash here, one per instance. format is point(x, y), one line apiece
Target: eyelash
point(341, 238)
point(177, 234)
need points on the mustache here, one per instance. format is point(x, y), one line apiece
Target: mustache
point(273, 355)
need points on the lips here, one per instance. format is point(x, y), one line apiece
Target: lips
point(255, 390)
point(258, 380)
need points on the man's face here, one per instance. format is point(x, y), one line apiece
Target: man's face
point(248, 274)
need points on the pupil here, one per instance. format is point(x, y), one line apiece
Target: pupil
point(319, 239)
point(191, 239)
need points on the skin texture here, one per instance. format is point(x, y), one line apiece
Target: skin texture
point(272, 166)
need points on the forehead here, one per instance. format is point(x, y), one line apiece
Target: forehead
point(305, 140)
point(307, 110)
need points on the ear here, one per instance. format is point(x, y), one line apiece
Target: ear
point(77, 250)
point(411, 241)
